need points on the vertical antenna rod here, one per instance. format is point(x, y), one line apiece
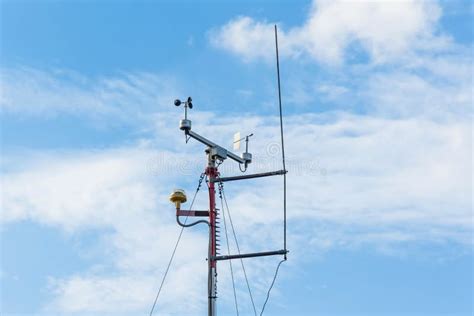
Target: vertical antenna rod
point(282, 141)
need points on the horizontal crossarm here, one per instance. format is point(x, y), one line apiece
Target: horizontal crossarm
point(207, 142)
point(250, 176)
point(250, 255)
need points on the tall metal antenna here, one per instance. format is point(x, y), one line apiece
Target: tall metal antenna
point(282, 141)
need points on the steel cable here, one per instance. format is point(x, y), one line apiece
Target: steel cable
point(238, 249)
point(228, 250)
point(271, 286)
point(176, 246)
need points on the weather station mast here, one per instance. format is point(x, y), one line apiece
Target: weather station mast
point(216, 154)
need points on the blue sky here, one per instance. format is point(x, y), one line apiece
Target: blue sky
point(378, 119)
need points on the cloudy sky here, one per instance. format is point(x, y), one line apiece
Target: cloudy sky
point(378, 100)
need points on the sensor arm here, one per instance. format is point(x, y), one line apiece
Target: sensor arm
point(187, 213)
point(207, 142)
point(192, 213)
point(221, 153)
point(250, 176)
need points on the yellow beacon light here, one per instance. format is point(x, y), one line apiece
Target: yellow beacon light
point(177, 197)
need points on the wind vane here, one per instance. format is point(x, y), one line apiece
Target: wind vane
point(216, 154)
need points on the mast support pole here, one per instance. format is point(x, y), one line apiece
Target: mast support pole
point(212, 173)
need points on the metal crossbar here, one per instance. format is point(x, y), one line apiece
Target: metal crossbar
point(251, 255)
point(250, 176)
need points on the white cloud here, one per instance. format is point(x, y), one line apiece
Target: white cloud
point(438, 88)
point(33, 92)
point(69, 191)
point(118, 191)
point(409, 177)
point(129, 294)
point(386, 30)
point(245, 37)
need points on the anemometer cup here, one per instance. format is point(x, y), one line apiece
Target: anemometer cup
point(187, 103)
